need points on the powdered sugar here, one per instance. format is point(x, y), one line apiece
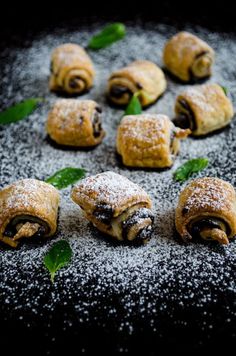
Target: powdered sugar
point(109, 188)
point(126, 284)
point(146, 128)
point(25, 194)
point(210, 193)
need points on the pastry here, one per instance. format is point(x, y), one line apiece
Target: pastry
point(74, 122)
point(72, 70)
point(116, 206)
point(207, 209)
point(203, 109)
point(140, 76)
point(188, 57)
point(148, 140)
point(28, 208)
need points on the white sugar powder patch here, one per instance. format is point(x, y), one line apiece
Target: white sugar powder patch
point(146, 280)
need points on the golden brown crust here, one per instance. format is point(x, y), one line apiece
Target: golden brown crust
point(210, 107)
point(72, 70)
point(74, 122)
point(109, 188)
point(206, 197)
point(186, 55)
point(139, 76)
point(28, 197)
point(108, 199)
point(148, 140)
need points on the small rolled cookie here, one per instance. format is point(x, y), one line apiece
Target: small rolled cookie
point(188, 57)
point(203, 109)
point(116, 206)
point(72, 70)
point(140, 76)
point(207, 209)
point(74, 122)
point(148, 140)
point(28, 208)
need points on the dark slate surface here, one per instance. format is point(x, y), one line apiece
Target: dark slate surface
point(113, 299)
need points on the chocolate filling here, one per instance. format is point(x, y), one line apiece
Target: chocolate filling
point(211, 222)
point(172, 141)
point(185, 120)
point(96, 121)
point(193, 76)
point(134, 219)
point(73, 83)
point(201, 54)
point(11, 228)
point(118, 91)
point(104, 213)
point(144, 234)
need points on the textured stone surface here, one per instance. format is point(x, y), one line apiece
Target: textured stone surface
point(163, 291)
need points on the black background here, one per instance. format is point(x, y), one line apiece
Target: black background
point(22, 19)
point(31, 16)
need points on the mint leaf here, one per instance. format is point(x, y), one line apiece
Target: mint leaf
point(190, 167)
point(225, 90)
point(66, 177)
point(134, 107)
point(19, 111)
point(58, 256)
point(107, 36)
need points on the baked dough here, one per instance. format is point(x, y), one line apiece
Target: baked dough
point(72, 70)
point(188, 57)
point(28, 208)
point(74, 122)
point(140, 76)
point(207, 209)
point(148, 140)
point(203, 109)
point(116, 206)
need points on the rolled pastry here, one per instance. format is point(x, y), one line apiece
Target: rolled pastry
point(28, 208)
point(73, 122)
point(188, 57)
point(116, 206)
point(207, 209)
point(139, 76)
point(203, 109)
point(148, 140)
point(72, 70)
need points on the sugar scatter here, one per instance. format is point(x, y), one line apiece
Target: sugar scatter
point(130, 286)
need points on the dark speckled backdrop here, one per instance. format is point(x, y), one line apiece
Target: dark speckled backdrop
point(180, 312)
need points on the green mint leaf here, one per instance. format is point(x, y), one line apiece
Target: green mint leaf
point(58, 256)
point(225, 90)
point(19, 111)
point(134, 107)
point(107, 36)
point(66, 177)
point(190, 167)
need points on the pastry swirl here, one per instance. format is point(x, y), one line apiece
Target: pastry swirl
point(28, 208)
point(72, 70)
point(74, 122)
point(207, 209)
point(148, 140)
point(188, 57)
point(116, 206)
point(139, 76)
point(203, 109)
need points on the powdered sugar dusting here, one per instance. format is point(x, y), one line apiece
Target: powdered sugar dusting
point(110, 188)
point(65, 108)
point(133, 287)
point(209, 193)
point(25, 194)
point(146, 127)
